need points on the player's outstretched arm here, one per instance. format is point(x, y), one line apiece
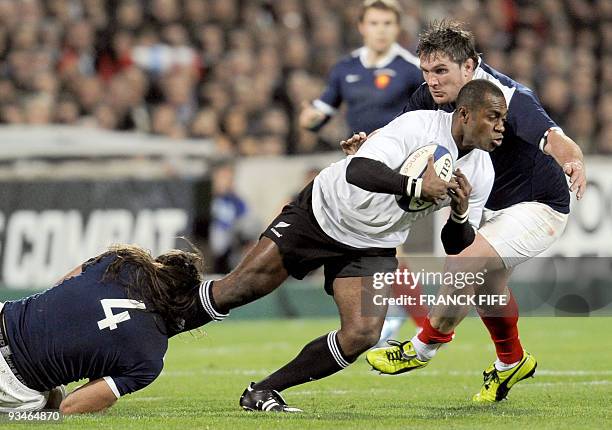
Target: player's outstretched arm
point(569, 156)
point(94, 396)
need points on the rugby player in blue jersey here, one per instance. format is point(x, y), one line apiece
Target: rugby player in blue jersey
point(107, 321)
point(526, 212)
point(374, 80)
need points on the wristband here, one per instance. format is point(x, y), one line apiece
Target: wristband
point(459, 218)
point(414, 187)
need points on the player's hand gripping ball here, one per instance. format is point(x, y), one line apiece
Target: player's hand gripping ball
point(416, 164)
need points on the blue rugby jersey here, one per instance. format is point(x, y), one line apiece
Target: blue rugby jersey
point(523, 173)
point(374, 95)
point(85, 328)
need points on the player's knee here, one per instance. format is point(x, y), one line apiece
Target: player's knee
point(466, 271)
point(456, 263)
point(362, 338)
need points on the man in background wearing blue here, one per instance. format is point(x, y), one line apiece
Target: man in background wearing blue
point(374, 80)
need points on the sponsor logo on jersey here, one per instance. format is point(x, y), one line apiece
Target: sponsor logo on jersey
point(383, 77)
point(352, 78)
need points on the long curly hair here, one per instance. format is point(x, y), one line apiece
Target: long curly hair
point(166, 284)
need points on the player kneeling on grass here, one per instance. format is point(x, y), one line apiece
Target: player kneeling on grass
point(107, 320)
point(349, 221)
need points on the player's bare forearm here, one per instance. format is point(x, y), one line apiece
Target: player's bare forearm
point(95, 396)
point(569, 156)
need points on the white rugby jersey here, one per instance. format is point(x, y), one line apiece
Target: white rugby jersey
point(363, 219)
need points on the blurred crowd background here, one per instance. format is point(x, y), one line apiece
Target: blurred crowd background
point(238, 71)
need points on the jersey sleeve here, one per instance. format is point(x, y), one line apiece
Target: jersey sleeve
point(331, 98)
point(527, 118)
point(394, 142)
point(135, 378)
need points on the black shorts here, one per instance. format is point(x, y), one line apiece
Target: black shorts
point(305, 247)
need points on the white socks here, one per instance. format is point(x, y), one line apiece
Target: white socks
point(425, 352)
point(502, 367)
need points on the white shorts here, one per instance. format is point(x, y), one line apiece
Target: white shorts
point(522, 231)
point(14, 396)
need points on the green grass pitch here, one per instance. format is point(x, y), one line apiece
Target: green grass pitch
point(205, 374)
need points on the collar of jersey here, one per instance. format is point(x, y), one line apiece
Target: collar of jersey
point(362, 53)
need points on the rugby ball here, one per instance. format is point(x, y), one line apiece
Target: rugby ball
point(415, 166)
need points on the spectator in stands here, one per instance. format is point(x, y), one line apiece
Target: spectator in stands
point(231, 225)
point(165, 122)
point(67, 111)
point(89, 92)
point(105, 117)
point(11, 113)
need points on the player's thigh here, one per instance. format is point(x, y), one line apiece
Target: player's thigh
point(479, 257)
point(522, 231)
point(495, 282)
point(290, 245)
point(260, 272)
point(361, 314)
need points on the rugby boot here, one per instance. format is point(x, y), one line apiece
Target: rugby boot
point(497, 383)
point(397, 358)
point(264, 400)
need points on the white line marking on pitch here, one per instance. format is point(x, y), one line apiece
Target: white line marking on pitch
point(545, 372)
point(547, 384)
point(240, 372)
point(423, 373)
point(146, 399)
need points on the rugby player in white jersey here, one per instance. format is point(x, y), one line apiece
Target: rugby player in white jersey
point(525, 214)
point(348, 220)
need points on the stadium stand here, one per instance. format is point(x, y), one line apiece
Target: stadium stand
point(237, 71)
